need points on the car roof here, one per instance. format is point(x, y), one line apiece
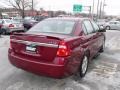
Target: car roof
point(68, 18)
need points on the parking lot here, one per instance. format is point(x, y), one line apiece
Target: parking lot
point(103, 74)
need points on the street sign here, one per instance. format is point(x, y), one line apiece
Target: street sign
point(77, 8)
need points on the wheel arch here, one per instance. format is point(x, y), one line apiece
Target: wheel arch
point(108, 26)
point(87, 52)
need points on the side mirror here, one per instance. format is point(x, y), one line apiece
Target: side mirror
point(102, 29)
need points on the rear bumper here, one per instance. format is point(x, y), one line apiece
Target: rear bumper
point(15, 30)
point(45, 69)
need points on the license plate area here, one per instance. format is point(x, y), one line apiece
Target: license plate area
point(31, 48)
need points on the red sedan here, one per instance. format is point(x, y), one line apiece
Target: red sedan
point(57, 47)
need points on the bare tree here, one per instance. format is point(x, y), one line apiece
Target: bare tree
point(20, 5)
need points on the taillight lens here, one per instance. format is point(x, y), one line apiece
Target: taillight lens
point(10, 44)
point(1, 26)
point(63, 50)
point(11, 25)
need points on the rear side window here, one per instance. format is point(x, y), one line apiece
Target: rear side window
point(84, 28)
point(88, 26)
point(95, 26)
point(8, 21)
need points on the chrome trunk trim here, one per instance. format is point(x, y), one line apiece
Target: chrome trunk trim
point(34, 43)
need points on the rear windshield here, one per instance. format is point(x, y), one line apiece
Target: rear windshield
point(30, 21)
point(15, 21)
point(8, 21)
point(53, 26)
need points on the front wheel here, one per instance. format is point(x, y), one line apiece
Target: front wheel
point(107, 27)
point(83, 66)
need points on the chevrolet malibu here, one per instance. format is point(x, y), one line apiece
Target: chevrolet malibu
point(57, 47)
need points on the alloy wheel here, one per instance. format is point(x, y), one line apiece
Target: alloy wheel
point(84, 65)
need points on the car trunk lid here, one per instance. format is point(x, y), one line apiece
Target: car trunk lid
point(40, 46)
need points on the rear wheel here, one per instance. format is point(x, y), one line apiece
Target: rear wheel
point(102, 47)
point(83, 66)
point(3, 32)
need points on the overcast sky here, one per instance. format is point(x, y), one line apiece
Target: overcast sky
point(112, 8)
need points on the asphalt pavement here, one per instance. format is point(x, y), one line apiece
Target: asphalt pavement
point(103, 73)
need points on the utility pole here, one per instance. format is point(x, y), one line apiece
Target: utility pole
point(98, 9)
point(93, 9)
point(32, 7)
point(104, 4)
point(23, 11)
point(89, 11)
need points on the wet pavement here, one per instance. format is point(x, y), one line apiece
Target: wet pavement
point(103, 73)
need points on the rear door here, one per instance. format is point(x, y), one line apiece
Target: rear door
point(118, 25)
point(98, 36)
point(91, 39)
point(112, 25)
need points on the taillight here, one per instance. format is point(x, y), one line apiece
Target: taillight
point(10, 44)
point(10, 48)
point(10, 41)
point(63, 50)
point(11, 25)
point(1, 26)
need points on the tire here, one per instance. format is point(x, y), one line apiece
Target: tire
point(102, 47)
point(107, 27)
point(3, 32)
point(83, 66)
